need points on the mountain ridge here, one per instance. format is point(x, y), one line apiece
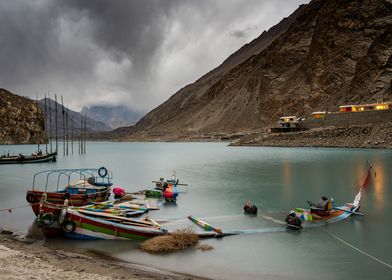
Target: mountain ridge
point(325, 54)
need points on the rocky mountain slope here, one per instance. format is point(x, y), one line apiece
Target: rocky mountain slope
point(113, 116)
point(327, 53)
point(21, 120)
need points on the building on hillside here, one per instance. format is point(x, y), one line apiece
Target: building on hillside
point(319, 115)
point(289, 121)
point(365, 107)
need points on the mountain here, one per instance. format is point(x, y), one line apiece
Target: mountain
point(113, 116)
point(91, 124)
point(21, 120)
point(327, 53)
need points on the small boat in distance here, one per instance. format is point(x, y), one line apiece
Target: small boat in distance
point(33, 158)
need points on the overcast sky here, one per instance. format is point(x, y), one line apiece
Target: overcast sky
point(132, 52)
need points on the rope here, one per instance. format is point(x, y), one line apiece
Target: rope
point(357, 249)
point(13, 208)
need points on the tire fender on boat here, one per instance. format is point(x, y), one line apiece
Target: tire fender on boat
point(102, 172)
point(68, 226)
point(31, 198)
point(47, 219)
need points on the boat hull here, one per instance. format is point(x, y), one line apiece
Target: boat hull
point(58, 198)
point(92, 228)
point(31, 159)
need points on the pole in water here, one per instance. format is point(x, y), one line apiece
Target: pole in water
point(72, 134)
point(63, 112)
point(56, 116)
point(46, 126)
point(50, 125)
point(66, 129)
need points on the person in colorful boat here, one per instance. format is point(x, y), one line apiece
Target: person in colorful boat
point(323, 207)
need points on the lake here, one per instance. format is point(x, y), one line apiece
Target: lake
point(221, 179)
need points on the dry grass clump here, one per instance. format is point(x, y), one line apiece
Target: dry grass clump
point(178, 240)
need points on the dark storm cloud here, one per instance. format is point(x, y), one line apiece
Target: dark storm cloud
point(137, 53)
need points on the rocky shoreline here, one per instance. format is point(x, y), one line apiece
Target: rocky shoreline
point(22, 258)
point(354, 136)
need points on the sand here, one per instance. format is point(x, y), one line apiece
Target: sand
point(28, 259)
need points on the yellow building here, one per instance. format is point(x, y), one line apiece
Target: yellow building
point(365, 107)
point(319, 115)
point(289, 121)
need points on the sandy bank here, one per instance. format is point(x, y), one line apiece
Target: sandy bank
point(27, 259)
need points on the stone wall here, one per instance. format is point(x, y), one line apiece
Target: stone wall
point(346, 119)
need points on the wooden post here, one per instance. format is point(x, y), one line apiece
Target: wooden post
point(66, 130)
point(72, 134)
point(46, 126)
point(56, 116)
point(50, 125)
point(63, 112)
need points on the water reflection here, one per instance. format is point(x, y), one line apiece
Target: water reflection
point(378, 182)
point(221, 179)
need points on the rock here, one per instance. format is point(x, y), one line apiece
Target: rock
point(21, 120)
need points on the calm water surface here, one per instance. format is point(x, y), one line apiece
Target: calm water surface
point(221, 179)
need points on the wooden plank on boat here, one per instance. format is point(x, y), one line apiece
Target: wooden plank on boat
point(107, 215)
point(205, 225)
point(152, 205)
point(155, 223)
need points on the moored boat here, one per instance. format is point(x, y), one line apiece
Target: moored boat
point(332, 215)
point(92, 185)
point(33, 158)
point(81, 224)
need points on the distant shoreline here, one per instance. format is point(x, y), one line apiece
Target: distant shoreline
point(365, 136)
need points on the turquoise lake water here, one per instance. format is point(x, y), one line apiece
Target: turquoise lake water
point(221, 179)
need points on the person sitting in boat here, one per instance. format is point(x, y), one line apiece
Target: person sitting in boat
point(323, 203)
point(160, 185)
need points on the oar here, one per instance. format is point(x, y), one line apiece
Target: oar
point(349, 211)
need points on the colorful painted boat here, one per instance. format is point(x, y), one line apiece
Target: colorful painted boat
point(92, 185)
point(204, 225)
point(34, 158)
point(80, 225)
point(336, 214)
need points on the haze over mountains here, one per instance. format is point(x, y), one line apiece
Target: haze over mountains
point(327, 53)
point(113, 116)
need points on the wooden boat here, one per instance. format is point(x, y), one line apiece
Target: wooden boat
point(33, 158)
point(334, 215)
point(92, 185)
point(80, 224)
point(168, 188)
